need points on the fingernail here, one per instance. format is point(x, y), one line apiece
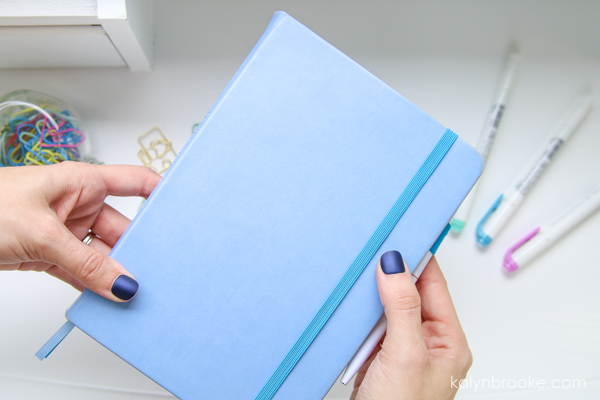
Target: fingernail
point(124, 287)
point(392, 262)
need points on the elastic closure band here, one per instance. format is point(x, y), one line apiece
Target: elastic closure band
point(55, 340)
point(358, 266)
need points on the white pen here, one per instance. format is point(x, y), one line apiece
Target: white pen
point(488, 133)
point(365, 349)
point(529, 247)
point(505, 206)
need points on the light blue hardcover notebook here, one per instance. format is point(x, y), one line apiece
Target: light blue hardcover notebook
point(272, 200)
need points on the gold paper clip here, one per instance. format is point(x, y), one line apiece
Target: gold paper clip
point(156, 150)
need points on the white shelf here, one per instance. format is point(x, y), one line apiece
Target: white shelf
point(76, 33)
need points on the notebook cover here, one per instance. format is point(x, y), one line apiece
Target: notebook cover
point(276, 193)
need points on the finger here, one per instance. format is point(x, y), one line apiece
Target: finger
point(401, 302)
point(64, 276)
point(61, 274)
point(110, 224)
point(444, 335)
point(436, 303)
point(80, 227)
point(360, 375)
point(128, 180)
point(100, 245)
point(107, 223)
point(92, 268)
point(362, 372)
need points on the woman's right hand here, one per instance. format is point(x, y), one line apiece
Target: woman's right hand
point(424, 352)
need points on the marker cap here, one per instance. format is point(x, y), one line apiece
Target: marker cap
point(483, 239)
point(510, 265)
point(457, 225)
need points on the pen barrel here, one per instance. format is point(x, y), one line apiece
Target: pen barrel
point(573, 118)
point(531, 177)
point(508, 76)
point(552, 233)
point(365, 350)
point(416, 274)
point(490, 127)
point(502, 215)
point(574, 216)
point(530, 250)
point(488, 133)
point(563, 131)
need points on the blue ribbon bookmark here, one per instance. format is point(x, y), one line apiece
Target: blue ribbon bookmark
point(55, 340)
point(358, 266)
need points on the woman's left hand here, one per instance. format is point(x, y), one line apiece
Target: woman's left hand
point(46, 211)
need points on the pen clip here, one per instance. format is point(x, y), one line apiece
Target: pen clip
point(482, 238)
point(510, 265)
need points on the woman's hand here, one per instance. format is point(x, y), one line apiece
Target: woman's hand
point(46, 212)
point(425, 348)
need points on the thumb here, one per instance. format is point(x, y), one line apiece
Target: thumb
point(95, 270)
point(402, 304)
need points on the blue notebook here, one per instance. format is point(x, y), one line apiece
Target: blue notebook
point(274, 197)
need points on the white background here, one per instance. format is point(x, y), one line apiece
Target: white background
point(446, 57)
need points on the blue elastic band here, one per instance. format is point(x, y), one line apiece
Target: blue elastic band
point(54, 340)
point(358, 266)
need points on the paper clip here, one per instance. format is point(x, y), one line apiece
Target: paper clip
point(156, 150)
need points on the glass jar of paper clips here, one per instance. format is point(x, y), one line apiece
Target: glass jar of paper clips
point(38, 129)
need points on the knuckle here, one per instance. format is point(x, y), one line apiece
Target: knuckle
point(75, 170)
point(92, 269)
point(71, 165)
point(68, 167)
point(406, 300)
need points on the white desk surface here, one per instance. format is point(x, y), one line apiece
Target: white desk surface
point(543, 323)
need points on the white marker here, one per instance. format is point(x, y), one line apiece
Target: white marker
point(488, 133)
point(365, 349)
point(505, 206)
point(526, 249)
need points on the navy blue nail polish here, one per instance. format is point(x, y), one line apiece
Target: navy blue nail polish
point(124, 287)
point(392, 262)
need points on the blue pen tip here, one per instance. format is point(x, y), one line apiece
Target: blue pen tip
point(483, 240)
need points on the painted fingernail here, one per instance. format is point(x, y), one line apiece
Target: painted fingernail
point(124, 287)
point(392, 262)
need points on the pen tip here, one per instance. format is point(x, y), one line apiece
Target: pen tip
point(510, 266)
point(483, 241)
